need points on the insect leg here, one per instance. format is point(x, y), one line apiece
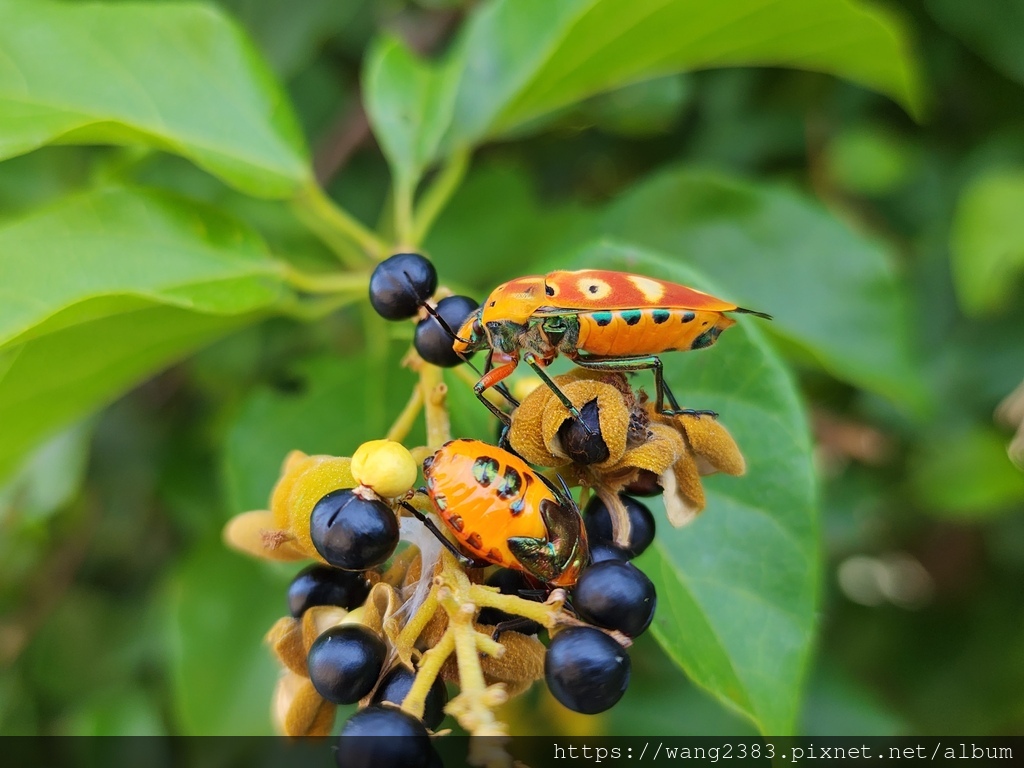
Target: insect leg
point(490, 379)
point(532, 361)
point(466, 562)
point(512, 625)
point(643, 363)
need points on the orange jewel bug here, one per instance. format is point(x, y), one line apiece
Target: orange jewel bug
point(598, 319)
point(504, 513)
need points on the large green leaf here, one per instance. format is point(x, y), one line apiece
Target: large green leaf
point(178, 77)
point(522, 59)
point(51, 380)
point(102, 290)
point(220, 605)
point(832, 291)
point(331, 405)
point(737, 588)
point(987, 241)
point(116, 250)
point(409, 103)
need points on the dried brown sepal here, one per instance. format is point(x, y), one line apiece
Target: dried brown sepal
point(519, 666)
point(299, 710)
point(684, 494)
point(255, 533)
point(286, 641)
point(318, 619)
point(713, 443)
point(304, 481)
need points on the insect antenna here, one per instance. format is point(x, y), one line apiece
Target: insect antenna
point(753, 312)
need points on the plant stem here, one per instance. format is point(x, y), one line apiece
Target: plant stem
point(338, 229)
point(403, 424)
point(435, 398)
point(403, 201)
point(438, 194)
point(429, 667)
point(332, 282)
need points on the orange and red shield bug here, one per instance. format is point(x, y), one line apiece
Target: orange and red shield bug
point(598, 319)
point(503, 512)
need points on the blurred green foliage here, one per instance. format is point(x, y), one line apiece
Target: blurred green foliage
point(182, 302)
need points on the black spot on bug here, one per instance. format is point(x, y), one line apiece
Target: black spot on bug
point(688, 316)
point(455, 521)
point(485, 470)
point(549, 290)
point(475, 540)
point(660, 315)
point(492, 304)
point(511, 482)
point(632, 316)
point(593, 289)
point(466, 440)
point(707, 338)
point(603, 318)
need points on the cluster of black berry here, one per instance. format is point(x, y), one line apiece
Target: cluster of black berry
point(348, 513)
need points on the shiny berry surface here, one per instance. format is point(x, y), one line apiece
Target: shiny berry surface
point(603, 550)
point(351, 532)
point(383, 737)
point(345, 661)
point(641, 524)
point(586, 670)
point(579, 444)
point(615, 595)
point(400, 284)
point(433, 342)
point(395, 686)
point(324, 585)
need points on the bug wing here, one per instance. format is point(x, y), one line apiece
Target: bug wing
point(595, 289)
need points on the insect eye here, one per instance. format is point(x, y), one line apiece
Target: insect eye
point(478, 330)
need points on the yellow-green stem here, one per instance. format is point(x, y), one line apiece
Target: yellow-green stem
point(339, 230)
point(403, 197)
point(438, 194)
point(331, 283)
point(435, 391)
point(411, 631)
point(426, 673)
point(403, 424)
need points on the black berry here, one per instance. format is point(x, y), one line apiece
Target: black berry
point(383, 737)
point(581, 438)
point(433, 342)
point(641, 524)
point(351, 532)
point(345, 662)
point(586, 670)
point(646, 484)
point(603, 550)
point(615, 595)
point(323, 585)
point(395, 686)
point(509, 582)
point(400, 284)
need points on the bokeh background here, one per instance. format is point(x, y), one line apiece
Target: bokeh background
point(121, 612)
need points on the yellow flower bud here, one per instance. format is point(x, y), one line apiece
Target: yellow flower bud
point(385, 466)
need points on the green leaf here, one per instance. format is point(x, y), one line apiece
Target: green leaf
point(832, 291)
point(987, 241)
point(966, 474)
point(990, 28)
point(177, 77)
point(117, 250)
point(522, 59)
point(330, 406)
point(220, 605)
point(409, 104)
point(289, 34)
point(737, 588)
point(54, 379)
